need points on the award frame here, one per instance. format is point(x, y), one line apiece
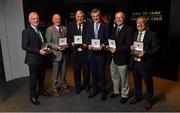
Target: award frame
point(45, 47)
point(138, 46)
point(95, 44)
point(63, 42)
point(112, 45)
point(78, 39)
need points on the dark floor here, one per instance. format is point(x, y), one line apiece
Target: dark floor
point(14, 97)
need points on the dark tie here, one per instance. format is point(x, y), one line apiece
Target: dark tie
point(117, 31)
point(139, 37)
point(60, 32)
point(79, 29)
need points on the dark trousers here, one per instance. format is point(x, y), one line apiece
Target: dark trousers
point(37, 73)
point(78, 62)
point(143, 71)
point(97, 63)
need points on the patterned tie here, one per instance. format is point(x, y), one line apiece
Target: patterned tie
point(139, 37)
point(96, 31)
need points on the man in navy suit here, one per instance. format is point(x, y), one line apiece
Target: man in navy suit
point(32, 42)
point(97, 30)
point(123, 35)
point(143, 60)
point(79, 51)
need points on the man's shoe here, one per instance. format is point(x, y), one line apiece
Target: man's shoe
point(123, 100)
point(148, 106)
point(103, 97)
point(66, 89)
point(135, 100)
point(45, 94)
point(93, 94)
point(34, 101)
point(87, 90)
point(78, 90)
point(56, 94)
point(113, 95)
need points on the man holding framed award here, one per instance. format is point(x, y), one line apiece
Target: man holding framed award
point(97, 37)
point(32, 42)
point(111, 45)
point(77, 32)
point(122, 36)
point(56, 37)
point(144, 50)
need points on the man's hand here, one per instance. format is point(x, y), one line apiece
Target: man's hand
point(132, 47)
point(113, 50)
point(72, 44)
point(61, 48)
point(84, 45)
point(141, 54)
point(42, 51)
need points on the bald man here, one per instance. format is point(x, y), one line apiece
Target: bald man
point(32, 42)
point(59, 54)
point(123, 35)
point(79, 52)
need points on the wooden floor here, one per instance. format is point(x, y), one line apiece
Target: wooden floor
point(165, 91)
point(160, 84)
point(14, 97)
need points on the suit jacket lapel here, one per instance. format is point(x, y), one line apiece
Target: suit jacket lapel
point(35, 34)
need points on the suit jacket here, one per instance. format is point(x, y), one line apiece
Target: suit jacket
point(32, 43)
point(123, 41)
point(71, 32)
point(102, 35)
point(151, 47)
point(52, 36)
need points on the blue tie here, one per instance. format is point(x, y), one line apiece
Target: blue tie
point(96, 31)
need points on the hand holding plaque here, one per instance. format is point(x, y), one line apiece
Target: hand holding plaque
point(78, 39)
point(95, 44)
point(138, 48)
point(46, 48)
point(111, 45)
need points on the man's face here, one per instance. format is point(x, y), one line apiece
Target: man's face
point(56, 20)
point(79, 17)
point(96, 17)
point(140, 24)
point(119, 18)
point(34, 19)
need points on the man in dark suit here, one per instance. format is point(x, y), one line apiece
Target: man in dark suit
point(143, 61)
point(98, 30)
point(32, 41)
point(79, 51)
point(123, 35)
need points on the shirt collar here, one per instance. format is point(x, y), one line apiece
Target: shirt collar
point(120, 26)
point(143, 32)
point(57, 27)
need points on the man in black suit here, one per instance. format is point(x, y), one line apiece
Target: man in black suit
point(123, 35)
point(98, 30)
point(79, 51)
point(32, 41)
point(143, 61)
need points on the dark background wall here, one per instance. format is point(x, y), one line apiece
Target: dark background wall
point(167, 63)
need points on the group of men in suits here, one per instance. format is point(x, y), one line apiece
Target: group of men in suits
point(92, 60)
